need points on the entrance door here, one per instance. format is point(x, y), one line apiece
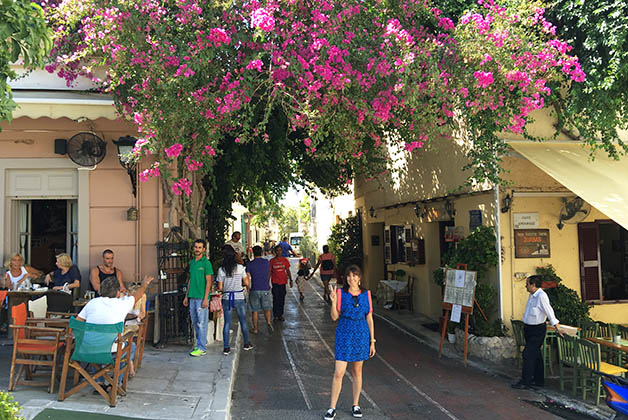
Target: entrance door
point(588, 240)
point(47, 228)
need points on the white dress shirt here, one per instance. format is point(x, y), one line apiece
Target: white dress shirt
point(538, 309)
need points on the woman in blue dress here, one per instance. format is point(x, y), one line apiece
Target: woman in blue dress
point(355, 335)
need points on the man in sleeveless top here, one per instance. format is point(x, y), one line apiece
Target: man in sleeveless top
point(106, 269)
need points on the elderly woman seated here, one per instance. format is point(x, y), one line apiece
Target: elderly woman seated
point(65, 273)
point(17, 273)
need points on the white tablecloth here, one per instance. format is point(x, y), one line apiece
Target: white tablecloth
point(387, 290)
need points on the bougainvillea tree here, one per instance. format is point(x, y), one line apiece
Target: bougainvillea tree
point(200, 77)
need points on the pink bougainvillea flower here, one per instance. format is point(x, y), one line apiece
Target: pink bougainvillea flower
point(263, 19)
point(174, 150)
point(209, 151)
point(484, 78)
point(255, 64)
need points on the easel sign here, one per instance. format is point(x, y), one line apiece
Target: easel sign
point(459, 298)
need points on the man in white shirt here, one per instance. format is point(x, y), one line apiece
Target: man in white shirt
point(237, 246)
point(538, 310)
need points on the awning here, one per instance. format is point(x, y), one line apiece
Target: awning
point(600, 182)
point(63, 104)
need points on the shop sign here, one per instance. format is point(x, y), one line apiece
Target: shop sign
point(526, 220)
point(532, 243)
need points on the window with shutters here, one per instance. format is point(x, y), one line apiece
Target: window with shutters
point(603, 249)
point(394, 244)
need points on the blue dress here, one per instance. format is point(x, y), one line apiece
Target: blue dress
point(353, 338)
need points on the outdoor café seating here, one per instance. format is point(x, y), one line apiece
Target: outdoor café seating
point(589, 363)
point(568, 363)
point(88, 353)
point(35, 344)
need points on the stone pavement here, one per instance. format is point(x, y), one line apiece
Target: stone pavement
point(413, 324)
point(170, 385)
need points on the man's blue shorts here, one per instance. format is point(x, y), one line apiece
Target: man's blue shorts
point(260, 300)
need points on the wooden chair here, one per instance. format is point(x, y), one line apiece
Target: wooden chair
point(605, 330)
point(588, 329)
point(91, 344)
point(140, 339)
point(589, 363)
point(404, 298)
point(567, 361)
point(548, 354)
point(520, 341)
point(33, 345)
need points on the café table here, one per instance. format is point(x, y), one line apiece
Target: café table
point(389, 290)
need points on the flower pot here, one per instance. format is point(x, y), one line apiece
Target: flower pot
point(548, 284)
point(451, 337)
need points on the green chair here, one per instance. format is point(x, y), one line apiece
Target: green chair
point(567, 361)
point(91, 344)
point(548, 354)
point(606, 330)
point(590, 362)
point(520, 341)
point(588, 329)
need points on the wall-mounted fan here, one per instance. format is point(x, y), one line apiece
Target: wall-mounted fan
point(86, 149)
point(573, 211)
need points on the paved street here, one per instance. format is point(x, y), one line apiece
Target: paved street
point(289, 376)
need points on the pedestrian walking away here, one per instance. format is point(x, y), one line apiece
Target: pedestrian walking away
point(538, 310)
point(327, 263)
point(232, 278)
point(352, 307)
point(197, 297)
point(286, 248)
point(303, 274)
point(259, 298)
point(279, 275)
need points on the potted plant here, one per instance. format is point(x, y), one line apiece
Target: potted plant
point(451, 331)
point(550, 278)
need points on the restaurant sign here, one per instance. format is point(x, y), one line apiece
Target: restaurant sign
point(526, 220)
point(532, 243)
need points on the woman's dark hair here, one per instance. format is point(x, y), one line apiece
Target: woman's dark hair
point(325, 249)
point(228, 260)
point(355, 270)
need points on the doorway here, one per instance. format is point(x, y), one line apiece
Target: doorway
point(47, 228)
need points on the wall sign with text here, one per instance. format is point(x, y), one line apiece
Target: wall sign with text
point(532, 243)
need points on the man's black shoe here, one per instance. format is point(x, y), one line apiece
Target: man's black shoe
point(520, 385)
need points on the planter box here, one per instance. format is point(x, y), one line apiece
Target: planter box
point(493, 349)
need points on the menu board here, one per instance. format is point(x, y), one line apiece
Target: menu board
point(459, 287)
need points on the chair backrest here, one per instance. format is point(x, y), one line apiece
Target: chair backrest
point(93, 342)
point(623, 331)
point(59, 301)
point(517, 332)
point(18, 313)
point(605, 330)
point(588, 329)
point(588, 354)
point(3, 295)
point(38, 307)
point(567, 352)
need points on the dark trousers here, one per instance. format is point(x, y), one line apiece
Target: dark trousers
point(532, 371)
point(279, 299)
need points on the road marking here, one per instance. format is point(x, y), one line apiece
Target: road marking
point(389, 366)
point(296, 375)
point(363, 393)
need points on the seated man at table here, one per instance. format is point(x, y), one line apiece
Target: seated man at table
point(106, 269)
point(111, 308)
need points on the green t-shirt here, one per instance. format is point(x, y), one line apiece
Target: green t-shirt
point(198, 270)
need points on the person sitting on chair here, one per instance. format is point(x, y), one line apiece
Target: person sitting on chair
point(111, 308)
point(106, 269)
point(65, 273)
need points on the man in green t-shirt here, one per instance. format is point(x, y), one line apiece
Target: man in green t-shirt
point(201, 277)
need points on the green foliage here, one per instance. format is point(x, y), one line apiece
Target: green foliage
point(288, 221)
point(567, 305)
point(23, 36)
point(9, 409)
point(598, 32)
point(478, 251)
point(309, 248)
point(345, 242)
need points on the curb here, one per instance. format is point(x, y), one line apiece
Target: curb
point(597, 412)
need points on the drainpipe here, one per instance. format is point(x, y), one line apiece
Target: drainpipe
point(498, 243)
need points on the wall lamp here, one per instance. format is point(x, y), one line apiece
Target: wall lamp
point(125, 146)
point(372, 211)
point(417, 210)
point(449, 208)
point(506, 203)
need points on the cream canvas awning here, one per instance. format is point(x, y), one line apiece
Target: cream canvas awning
point(602, 182)
point(63, 104)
